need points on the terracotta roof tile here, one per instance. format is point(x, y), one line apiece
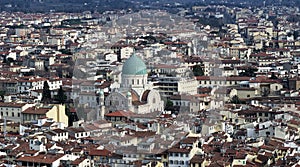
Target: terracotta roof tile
point(119, 114)
point(43, 158)
point(35, 110)
point(103, 152)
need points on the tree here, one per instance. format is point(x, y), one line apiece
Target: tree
point(4, 60)
point(249, 72)
point(61, 98)
point(273, 76)
point(265, 91)
point(169, 105)
point(198, 71)
point(296, 34)
point(8, 60)
point(46, 95)
point(66, 51)
point(2, 93)
point(235, 100)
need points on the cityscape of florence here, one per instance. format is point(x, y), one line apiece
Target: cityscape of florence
point(141, 83)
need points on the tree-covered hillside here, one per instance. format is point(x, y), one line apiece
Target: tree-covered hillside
point(63, 5)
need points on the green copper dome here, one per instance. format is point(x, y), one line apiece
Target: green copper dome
point(134, 66)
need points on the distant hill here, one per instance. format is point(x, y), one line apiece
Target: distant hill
point(63, 5)
point(104, 5)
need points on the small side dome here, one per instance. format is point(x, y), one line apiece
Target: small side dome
point(128, 94)
point(134, 66)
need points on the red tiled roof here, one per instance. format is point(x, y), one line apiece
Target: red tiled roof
point(143, 134)
point(35, 110)
point(197, 159)
point(263, 79)
point(134, 96)
point(103, 152)
point(214, 78)
point(16, 105)
point(145, 95)
point(179, 150)
point(119, 114)
point(189, 140)
point(77, 161)
point(43, 159)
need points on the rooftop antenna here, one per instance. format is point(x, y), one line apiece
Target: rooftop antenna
point(4, 128)
point(130, 21)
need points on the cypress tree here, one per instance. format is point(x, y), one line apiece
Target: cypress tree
point(61, 95)
point(46, 95)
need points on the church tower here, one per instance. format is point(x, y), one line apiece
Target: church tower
point(129, 100)
point(101, 111)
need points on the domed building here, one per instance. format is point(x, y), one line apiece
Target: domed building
point(134, 74)
point(135, 93)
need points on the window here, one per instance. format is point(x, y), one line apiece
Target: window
point(12, 114)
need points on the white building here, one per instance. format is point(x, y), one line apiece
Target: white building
point(126, 52)
point(54, 83)
point(37, 83)
point(12, 111)
point(78, 132)
point(57, 135)
point(33, 83)
point(88, 99)
point(169, 86)
point(38, 143)
point(135, 93)
point(182, 154)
